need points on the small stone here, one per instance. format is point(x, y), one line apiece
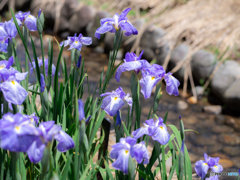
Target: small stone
point(98, 49)
point(229, 139)
point(201, 140)
point(182, 105)
point(199, 90)
point(215, 148)
point(222, 156)
point(214, 109)
point(192, 100)
point(233, 123)
point(225, 163)
point(236, 161)
point(220, 119)
point(232, 151)
point(222, 129)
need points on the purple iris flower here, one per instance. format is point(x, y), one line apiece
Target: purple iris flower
point(152, 75)
point(47, 132)
point(126, 147)
point(42, 83)
point(76, 42)
point(114, 101)
point(16, 133)
point(79, 61)
point(157, 130)
point(3, 45)
point(40, 63)
point(27, 19)
point(202, 167)
point(114, 24)
point(118, 119)
point(8, 30)
point(131, 62)
point(81, 112)
point(33, 119)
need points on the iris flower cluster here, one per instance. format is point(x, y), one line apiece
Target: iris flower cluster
point(8, 29)
point(10, 79)
point(209, 164)
point(18, 133)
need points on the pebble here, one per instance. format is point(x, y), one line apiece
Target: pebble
point(236, 161)
point(192, 100)
point(225, 163)
point(222, 129)
point(199, 90)
point(182, 105)
point(233, 123)
point(229, 139)
point(201, 140)
point(213, 109)
point(232, 151)
point(220, 119)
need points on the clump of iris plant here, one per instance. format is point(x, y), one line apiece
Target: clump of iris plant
point(115, 100)
point(157, 130)
point(209, 164)
point(114, 24)
point(125, 148)
point(76, 42)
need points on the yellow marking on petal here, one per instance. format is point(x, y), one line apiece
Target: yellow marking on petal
point(205, 164)
point(76, 42)
point(105, 22)
point(115, 98)
point(13, 82)
point(17, 128)
point(31, 119)
point(2, 66)
point(29, 16)
point(153, 78)
point(215, 166)
point(117, 28)
point(126, 151)
point(161, 127)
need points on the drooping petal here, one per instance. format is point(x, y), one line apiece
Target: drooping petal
point(129, 100)
point(35, 153)
point(161, 135)
point(201, 168)
point(21, 76)
point(104, 20)
point(3, 33)
point(10, 29)
point(31, 23)
point(116, 148)
point(10, 62)
point(13, 92)
point(76, 45)
point(172, 84)
point(217, 168)
point(128, 27)
point(81, 112)
point(65, 43)
point(212, 178)
point(147, 83)
point(140, 132)
point(127, 66)
point(3, 45)
point(65, 142)
point(106, 27)
point(121, 162)
point(86, 40)
point(141, 153)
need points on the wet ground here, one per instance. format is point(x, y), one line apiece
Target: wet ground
point(219, 135)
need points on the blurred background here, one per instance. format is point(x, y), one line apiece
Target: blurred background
point(197, 40)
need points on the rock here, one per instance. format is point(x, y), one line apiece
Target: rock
point(220, 119)
point(161, 53)
point(148, 54)
point(199, 90)
point(214, 109)
point(182, 105)
point(201, 140)
point(65, 34)
point(22, 5)
point(192, 100)
point(226, 73)
point(81, 18)
point(229, 139)
point(231, 96)
point(233, 123)
point(119, 54)
point(50, 11)
point(225, 163)
point(215, 148)
point(222, 156)
point(222, 129)
point(202, 65)
point(98, 49)
point(93, 25)
point(236, 161)
point(232, 151)
point(108, 42)
point(178, 54)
